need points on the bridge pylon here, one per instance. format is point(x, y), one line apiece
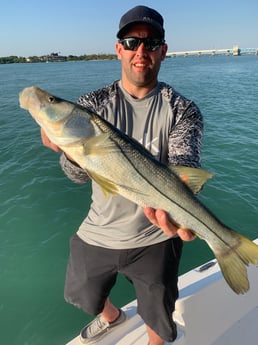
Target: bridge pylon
point(236, 51)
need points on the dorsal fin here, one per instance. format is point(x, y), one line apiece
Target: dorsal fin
point(194, 178)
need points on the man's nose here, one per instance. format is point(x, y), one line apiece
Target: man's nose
point(141, 49)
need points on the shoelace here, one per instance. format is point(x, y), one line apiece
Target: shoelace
point(96, 327)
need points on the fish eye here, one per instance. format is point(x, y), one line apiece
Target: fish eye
point(51, 99)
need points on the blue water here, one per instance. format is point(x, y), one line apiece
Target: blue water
point(41, 208)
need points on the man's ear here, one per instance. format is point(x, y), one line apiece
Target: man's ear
point(118, 50)
point(164, 51)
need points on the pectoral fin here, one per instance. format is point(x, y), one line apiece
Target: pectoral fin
point(99, 145)
point(107, 186)
point(194, 178)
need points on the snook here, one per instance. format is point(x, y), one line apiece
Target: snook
point(120, 165)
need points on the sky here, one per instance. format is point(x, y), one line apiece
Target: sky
point(78, 27)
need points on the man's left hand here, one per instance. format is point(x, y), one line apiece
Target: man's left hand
point(161, 219)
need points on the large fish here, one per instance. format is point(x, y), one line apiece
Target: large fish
point(120, 165)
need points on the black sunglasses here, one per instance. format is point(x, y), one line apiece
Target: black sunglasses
point(133, 43)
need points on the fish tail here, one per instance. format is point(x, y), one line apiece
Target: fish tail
point(233, 264)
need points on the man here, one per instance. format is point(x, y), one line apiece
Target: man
point(117, 235)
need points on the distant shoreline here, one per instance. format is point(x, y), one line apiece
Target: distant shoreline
point(54, 57)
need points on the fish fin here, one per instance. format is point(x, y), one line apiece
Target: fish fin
point(99, 145)
point(233, 264)
point(194, 178)
point(109, 187)
point(106, 185)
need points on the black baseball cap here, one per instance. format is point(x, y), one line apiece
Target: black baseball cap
point(141, 14)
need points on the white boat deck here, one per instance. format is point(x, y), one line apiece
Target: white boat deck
point(207, 312)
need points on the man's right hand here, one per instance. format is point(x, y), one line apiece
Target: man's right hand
point(46, 142)
point(161, 219)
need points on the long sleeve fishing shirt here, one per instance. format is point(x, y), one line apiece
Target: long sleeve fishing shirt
point(169, 126)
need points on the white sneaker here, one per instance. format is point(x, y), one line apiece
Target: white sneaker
point(98, 328)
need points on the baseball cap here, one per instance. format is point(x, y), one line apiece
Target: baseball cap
point(141, 14)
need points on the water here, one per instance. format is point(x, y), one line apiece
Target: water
point(41, 208)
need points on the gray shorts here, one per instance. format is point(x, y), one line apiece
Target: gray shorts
point(153, 270)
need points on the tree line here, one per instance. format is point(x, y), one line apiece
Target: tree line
point(54, 57)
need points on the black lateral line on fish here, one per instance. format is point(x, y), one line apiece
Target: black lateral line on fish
point(115, 135)
point(187, 211)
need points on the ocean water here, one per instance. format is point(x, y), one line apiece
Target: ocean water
point(41, 208)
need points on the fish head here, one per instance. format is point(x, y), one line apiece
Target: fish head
point(64, 122)
point(43, 106)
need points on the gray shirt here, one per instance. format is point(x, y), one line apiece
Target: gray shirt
point(168, 125)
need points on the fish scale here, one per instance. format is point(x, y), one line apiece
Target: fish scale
point(120, 165)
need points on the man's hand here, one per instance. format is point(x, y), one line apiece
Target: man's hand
point(46, 142)
point(161, 219)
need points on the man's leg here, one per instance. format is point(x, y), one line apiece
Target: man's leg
point(154, 338)
point(91, 273)
point(90, 276)
point(110, 313)
point(154, 273)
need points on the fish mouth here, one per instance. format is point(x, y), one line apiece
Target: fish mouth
point(24, 97)
point(29, 100)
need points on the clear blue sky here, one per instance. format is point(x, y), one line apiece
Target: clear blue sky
point(31, 27)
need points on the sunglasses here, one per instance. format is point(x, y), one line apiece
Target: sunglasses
point(133, 43)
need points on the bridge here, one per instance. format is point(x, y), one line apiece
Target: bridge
point(235, 51)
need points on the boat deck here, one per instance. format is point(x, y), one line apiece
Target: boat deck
point(207, 312)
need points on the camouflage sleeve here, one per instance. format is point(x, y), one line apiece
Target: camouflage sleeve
point(72, 171)
point(185, 139)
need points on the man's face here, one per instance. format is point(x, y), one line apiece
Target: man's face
point(140, 68)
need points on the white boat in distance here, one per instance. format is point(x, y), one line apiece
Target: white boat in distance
point(207, 312)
